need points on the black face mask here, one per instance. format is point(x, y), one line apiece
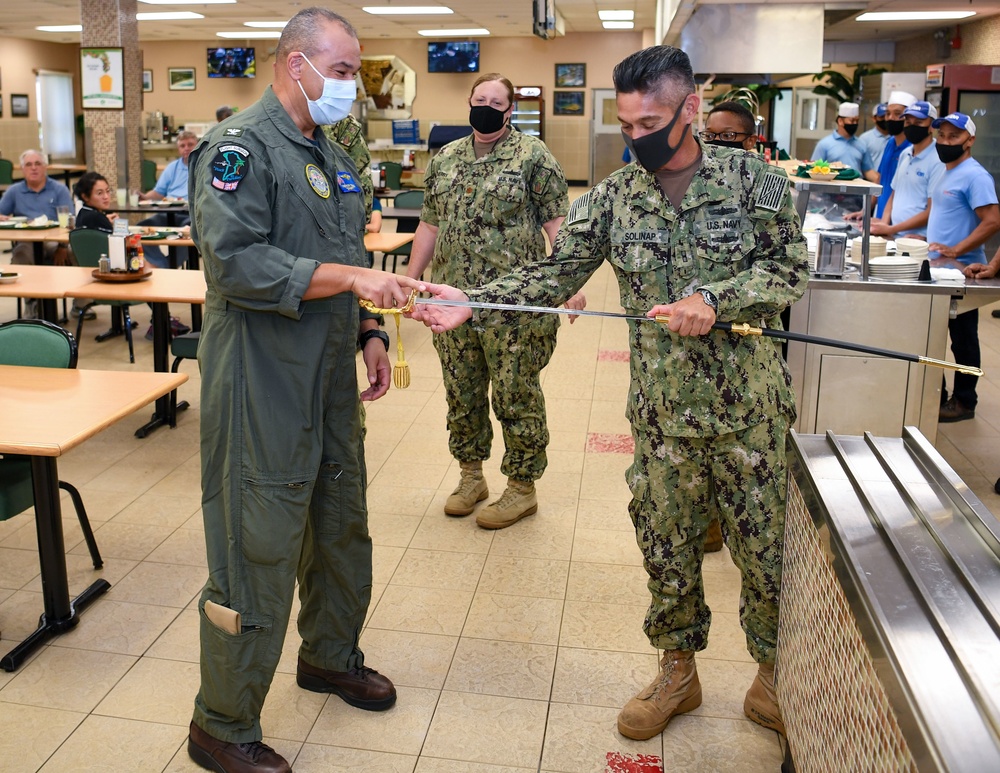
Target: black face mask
point(727, 144)
point(654, 150)
point(949, 153)
point(485, 119)
point(895, 128)
point(880, 124)
point(851, 129)
point(916, 134)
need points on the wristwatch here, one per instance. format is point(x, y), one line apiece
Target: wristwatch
point(368, 335)
point(710, 300)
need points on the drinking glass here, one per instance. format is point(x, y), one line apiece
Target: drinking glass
point(63, 214)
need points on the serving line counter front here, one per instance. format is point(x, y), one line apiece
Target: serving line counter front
point(889, 633)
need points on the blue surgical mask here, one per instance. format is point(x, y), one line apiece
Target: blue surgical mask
point(334, 104)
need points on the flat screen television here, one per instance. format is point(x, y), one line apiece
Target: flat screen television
point(231, 63)
point(453, 57)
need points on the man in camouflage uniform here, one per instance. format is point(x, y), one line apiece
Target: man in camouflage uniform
point(347, 134)
point(488, 198)
point(694, 232)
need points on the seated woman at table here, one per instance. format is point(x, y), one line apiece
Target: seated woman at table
point(95, 193)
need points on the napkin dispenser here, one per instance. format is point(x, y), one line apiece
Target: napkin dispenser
point(830, 253)
point(116, 253)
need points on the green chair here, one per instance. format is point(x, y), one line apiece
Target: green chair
point(404, 225)
point(148, 175)
point(6, 171)
point(183, 347)
point(88, 246)
point(41, 344)
point(393, 174)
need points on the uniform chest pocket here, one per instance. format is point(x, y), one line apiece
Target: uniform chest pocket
point(646, 266)
point(505, 197)
point(722, 236)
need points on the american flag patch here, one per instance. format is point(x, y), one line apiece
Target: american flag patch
point(770, 192)
point(580, 211)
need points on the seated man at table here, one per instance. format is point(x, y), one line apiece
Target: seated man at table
point(172, 184)
point(38, 195)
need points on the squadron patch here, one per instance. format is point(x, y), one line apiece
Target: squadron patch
point(348, 134)
point(541, 181)
point(580, 211)
point(230, 165)
point(348, 183)
point(770, 191)
point(317, 181)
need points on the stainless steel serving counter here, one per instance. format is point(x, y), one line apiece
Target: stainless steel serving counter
point(889, 635)
point(851, 393)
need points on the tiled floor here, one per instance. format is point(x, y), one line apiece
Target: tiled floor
point(511, 650)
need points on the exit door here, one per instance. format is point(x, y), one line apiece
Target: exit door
point(606, 143)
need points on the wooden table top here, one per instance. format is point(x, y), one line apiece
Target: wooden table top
point(43, 281)
point(58, 408)
point(54, 234)
point(164, 285)
point(386, 242)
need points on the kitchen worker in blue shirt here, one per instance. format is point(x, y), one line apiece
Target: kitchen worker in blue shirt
point(964, 215)
point(874, 139)
point(843, 147)
point(896, 105)
point(918, 174)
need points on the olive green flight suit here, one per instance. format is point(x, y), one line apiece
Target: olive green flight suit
point(708, 413)
point(489, 214)
point(283, 471)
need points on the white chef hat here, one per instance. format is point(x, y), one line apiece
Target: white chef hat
point(848, 110)
point(903, 98)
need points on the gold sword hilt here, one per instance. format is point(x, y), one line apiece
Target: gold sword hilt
point(743, 328)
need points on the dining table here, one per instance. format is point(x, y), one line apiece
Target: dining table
point(396, 213)
point(175, 211)
point(37, 236)
point(52, 411)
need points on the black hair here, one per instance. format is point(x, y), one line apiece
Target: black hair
point(303, 31)
point(747, 122)
point(651, 68)
point(85, 184)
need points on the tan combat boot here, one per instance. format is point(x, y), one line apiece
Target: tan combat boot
point(675, 690)
point(761, 703)
point(471, 489)
point(713, 539)
point(515, 503)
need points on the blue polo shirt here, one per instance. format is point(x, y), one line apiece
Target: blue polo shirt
point(887, 170)
point(173, 183)
point(874, 141)
point(848, 151)
point(961, 191)
point(916, 178)
point(20, 200)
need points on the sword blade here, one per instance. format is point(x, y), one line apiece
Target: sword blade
point(534, 309)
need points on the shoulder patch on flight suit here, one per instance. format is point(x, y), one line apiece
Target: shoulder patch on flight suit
point(234, 132)
point(348, 134)
point(580, 211)
point(230, 166)
point(541, 180)
point(769, 193)
point(348, 183)
point(317, 181)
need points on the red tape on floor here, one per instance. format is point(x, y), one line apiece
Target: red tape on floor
point(639, 763)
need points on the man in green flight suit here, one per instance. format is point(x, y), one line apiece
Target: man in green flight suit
point(279, 217)
point(697, 233)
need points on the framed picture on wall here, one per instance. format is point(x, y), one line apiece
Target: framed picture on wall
point(180, 78)
point(102, 79)
point(147, 80)
point(571, 75)
point(567, 103)
point(19, 105)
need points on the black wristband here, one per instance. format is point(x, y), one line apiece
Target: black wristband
point(368, 335)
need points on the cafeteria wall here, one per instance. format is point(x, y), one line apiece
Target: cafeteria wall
point(980, 45)
point(19, 61)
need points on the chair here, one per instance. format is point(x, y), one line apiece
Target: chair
point(88, 246)
point(393, 174)
point(405, 225)
point(183, 347)
point(440, 136)
point(37, 343)
point(148, 174)
point(6, 171)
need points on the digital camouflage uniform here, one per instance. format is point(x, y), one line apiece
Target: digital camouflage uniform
point(489, 214)
point(283, 469)
point(349, 135)
point(708, 413)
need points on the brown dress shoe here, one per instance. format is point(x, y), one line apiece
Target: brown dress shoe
point(213, 754)
point(364, 688)
point(954, 410)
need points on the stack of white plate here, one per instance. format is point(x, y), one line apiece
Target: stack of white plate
point(877, 247)
point(916, 249)
point(812, 242)
point(898, 269)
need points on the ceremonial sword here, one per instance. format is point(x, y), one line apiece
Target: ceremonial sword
point(743, 329)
